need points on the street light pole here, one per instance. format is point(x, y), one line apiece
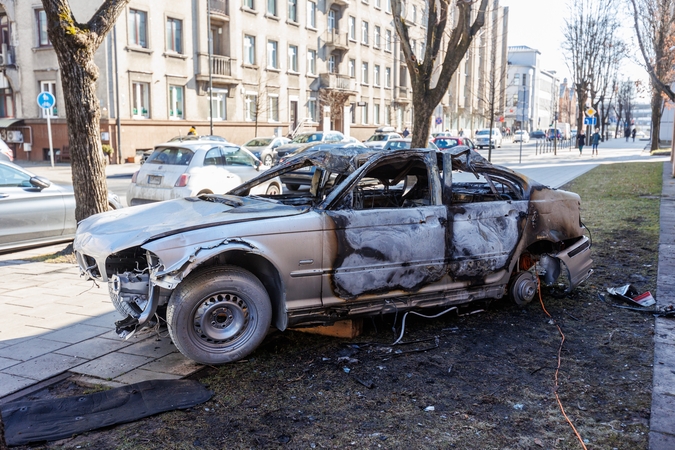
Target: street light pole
point(210, 43)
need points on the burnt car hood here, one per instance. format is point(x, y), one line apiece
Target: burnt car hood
point(113, 231)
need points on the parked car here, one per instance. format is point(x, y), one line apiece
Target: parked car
point(194, 137)
point(307, 138)
point(537, 134)
point(195, 167)
point(403, 143)
point(263, 148)
point(6, 153)
point(449, 133)
point(378, 140)
point(521, 136)
point(446, 142)
point(485, 139)
point(553, 134)
point(35, 211)
point(381, 232)
point(303, 176)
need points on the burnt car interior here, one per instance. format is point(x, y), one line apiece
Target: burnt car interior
point(403, 183)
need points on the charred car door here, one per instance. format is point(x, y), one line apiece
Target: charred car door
point(385, 231)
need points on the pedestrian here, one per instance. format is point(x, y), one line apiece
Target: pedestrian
point(626, 133)
point(581, 141)
point(192, 131)
point(633, 134)
point(461, 131)
point(595, 140)
point(406, 133)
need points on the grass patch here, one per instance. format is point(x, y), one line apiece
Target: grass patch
point(65, 256)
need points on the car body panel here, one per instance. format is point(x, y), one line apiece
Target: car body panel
point(376, 232)
point(446, 142)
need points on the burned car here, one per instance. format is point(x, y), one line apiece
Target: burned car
point(379, 232)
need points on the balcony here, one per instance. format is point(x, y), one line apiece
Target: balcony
point(336, 40)
point(401, 92)
point(221, 69)
point(221, 65)
point(220, 7)
point(341, 2)
point(337, 81)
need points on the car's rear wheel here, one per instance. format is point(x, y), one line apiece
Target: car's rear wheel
point(292, 186)
point(219, 315)
point(267, 160)
point(523, 287)
point(273, 189)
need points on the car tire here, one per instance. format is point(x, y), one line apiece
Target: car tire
point(273, 189)
point(292, 186)
point(219, 315)
point(268, 160)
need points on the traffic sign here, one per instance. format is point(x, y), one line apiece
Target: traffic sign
point(46, 100)
point(590, 111)
point(589, 120)
point(439, 120)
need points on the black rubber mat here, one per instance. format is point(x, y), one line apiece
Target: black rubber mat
point(48, 420)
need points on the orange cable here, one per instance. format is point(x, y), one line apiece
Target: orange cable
point(557, 370)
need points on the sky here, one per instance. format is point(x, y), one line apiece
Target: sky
point(538, 24)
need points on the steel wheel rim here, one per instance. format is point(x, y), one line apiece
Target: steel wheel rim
point(268, 160)
point(223, 318)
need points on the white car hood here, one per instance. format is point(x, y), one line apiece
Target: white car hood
point(113, 231)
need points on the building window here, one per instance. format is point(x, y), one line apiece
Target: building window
point(378, 4)
point(251, 105)
point(176, 102)
point(311, 14)
point(140, 98)
point(293, 10)
point(378, 37)
point(524, 79)
point(249, 50)
point(364, 73)
point(364, 32)
point(48, 86)
point(352, 111)
point(387, 77)
point(387, 40)
point(43, 38)
point(414, 14)
point(332, 23)
point(352, 68)
point(272, 7)
point(387, 7)
point(332, 64)
point(219, 104)
point(376, 113)
point(293, 58)
point(249, 4)
point(364, 114)
point(376, 75)
point(312, 111)
point(174, 36)
point(311, 62)
point(272, 55)
point(352, 28)
point(273, 111)
point(138, 29)
point(6, 102)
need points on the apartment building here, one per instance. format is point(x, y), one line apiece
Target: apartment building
point(276, 66)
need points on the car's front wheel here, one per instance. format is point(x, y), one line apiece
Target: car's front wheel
point(273, 189)
point(268, 160)
point(219, 315)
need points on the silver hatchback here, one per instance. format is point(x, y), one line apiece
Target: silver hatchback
point(191, 168)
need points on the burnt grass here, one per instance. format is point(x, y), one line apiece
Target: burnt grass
point(480, 379)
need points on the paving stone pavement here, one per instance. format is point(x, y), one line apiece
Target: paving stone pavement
point(662, 422)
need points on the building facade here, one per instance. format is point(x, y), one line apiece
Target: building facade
point(275, 67)
point(532, 93)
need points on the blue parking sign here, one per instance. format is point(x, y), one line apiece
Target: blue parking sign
point(589, 120)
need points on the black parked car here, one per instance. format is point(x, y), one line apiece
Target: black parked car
point(538, 134)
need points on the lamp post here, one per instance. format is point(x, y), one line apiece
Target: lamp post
point(210, 44)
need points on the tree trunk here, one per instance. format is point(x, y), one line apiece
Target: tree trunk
point(656, 119)
point(75, 45)
point(424, 112)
